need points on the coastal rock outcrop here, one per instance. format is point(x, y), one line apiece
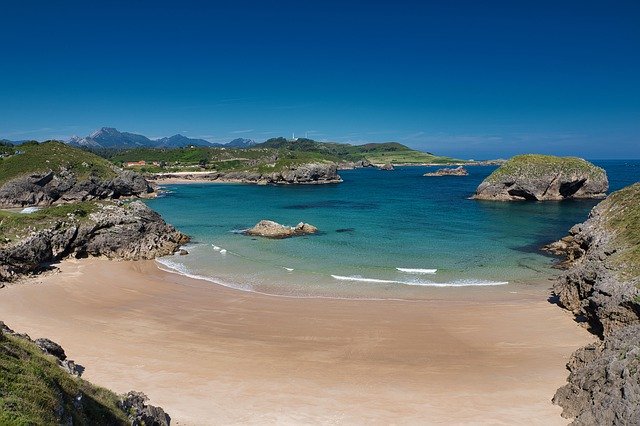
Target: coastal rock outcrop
point(301, 174)
point(113, 230)
point(387, 166)
point(601, 287)
point(271, 229)
point(140, 413)
point(543, 177)
point(47, 188)
point(350, 165)
point(457, 171)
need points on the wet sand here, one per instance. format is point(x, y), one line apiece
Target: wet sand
point(214, 355)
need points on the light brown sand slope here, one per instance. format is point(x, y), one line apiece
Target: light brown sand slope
point(212, 355)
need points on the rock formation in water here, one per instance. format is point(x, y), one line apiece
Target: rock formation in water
point(543, 177)
point(387, 166)
point(601, 287)
point(270, 229)
point(112, 229)
point(457, 171)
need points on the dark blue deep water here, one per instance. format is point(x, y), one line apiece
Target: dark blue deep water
point(371, 224)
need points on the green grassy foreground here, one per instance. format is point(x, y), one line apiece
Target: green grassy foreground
point(622, 215)
point(34, 390)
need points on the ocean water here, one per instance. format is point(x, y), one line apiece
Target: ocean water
point(381, 233)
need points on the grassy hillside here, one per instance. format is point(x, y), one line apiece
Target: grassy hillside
point(272, 155)
point(621, 210)
point(34, 390)
point(52, 155)
point(543, 165)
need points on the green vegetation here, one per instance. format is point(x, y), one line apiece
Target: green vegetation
point(34, 390)
point(544, 165)
point(15, 225)
point(622, 215)
point(273, 155)
point(53, 155)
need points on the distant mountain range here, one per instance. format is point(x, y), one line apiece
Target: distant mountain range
point(108, 137)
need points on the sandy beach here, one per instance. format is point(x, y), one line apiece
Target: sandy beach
point(212, 355)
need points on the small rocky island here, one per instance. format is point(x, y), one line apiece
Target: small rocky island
point(271, 229)
point(457, 171)
point(602, 287)
point(543, 177)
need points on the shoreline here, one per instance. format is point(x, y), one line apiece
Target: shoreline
point(203, 351)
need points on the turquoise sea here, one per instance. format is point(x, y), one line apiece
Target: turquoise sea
point(371, 224)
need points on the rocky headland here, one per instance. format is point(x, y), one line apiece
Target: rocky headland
point(601, 287)
point(115, 230)
point(543, 177)
point(271, 229)
point(54, 173)
point(457, 171)
point(301, 174)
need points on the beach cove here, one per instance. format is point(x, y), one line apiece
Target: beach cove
point(208, 353)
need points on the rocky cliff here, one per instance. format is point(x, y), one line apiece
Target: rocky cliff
point(543, 177)
point(108, 229)
point(310, 173)
point(600, 287)
point(64, 186)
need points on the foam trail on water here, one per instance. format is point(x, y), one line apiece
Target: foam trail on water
point(457, 283)
point(288, 269)
point(223, 251)
point(417, 271)
point(215, 247)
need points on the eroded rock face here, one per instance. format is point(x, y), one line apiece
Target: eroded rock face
point(135, 404)
point(116, 231)
point(601, 286)
point(543, 177)
point(457, 171)
point(271, 229)
point(604, 387)
point(387, 166)
point(44, 189)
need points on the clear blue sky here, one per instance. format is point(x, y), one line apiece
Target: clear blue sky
point(475, 79)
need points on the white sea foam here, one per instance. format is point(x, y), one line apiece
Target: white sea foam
point(223, 251)
point(457, 283)
point(215, 247)
point(288, 269)
point(417, 271)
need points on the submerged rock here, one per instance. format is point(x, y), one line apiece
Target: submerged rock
point(457, 171)
point(543, 177)
point(271, 229)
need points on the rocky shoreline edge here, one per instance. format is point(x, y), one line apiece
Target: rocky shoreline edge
point(601, 287)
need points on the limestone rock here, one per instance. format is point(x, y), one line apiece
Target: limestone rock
point(135, 403)
point(115, 231)
point(457, 171)
point(271, 229)
point(44, 189)
point(387, 166)
point(543, 177)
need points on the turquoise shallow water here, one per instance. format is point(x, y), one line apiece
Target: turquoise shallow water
point(371, 224)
